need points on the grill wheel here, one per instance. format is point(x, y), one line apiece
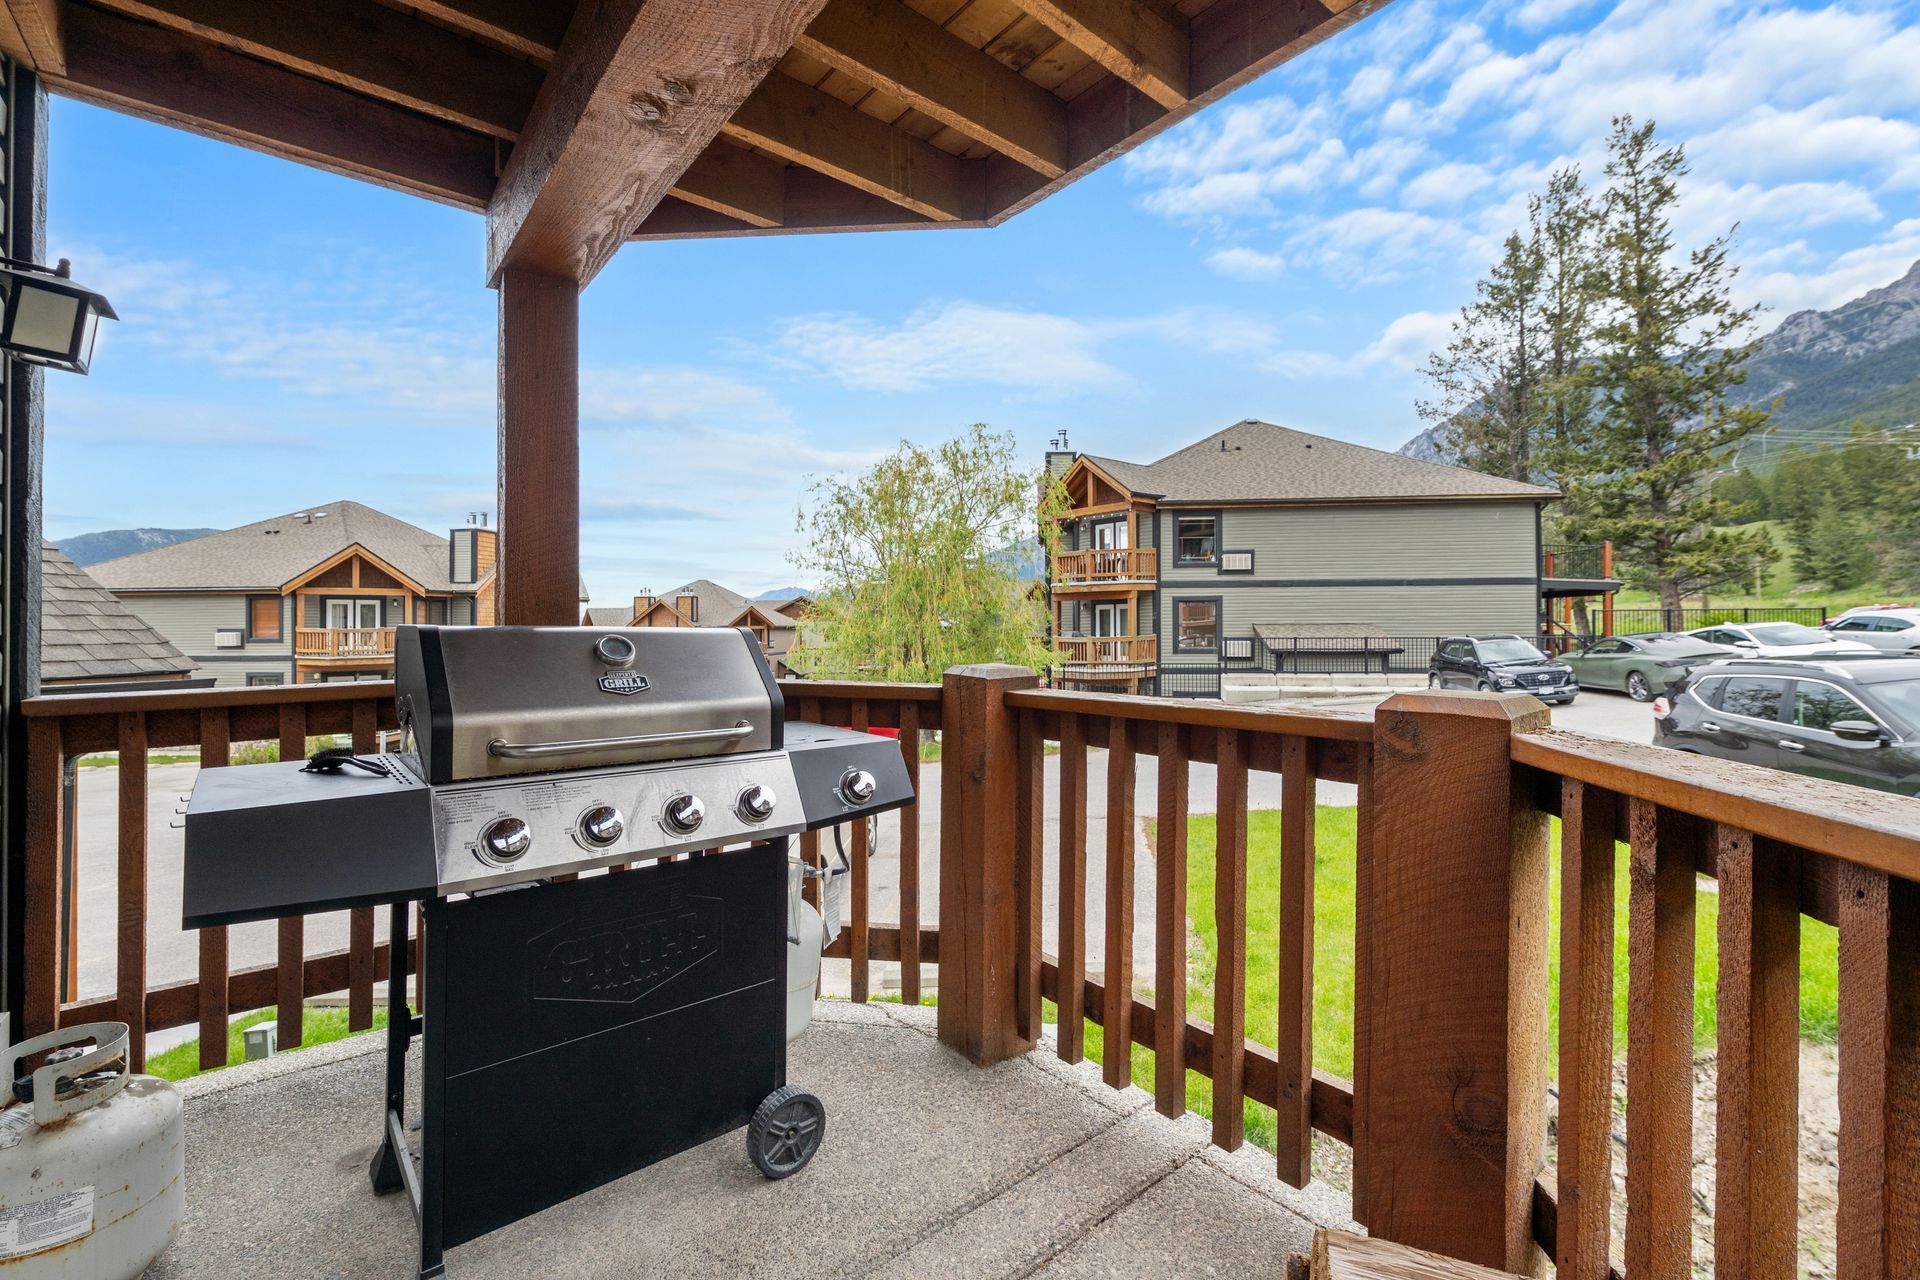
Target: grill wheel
point(785, 1131)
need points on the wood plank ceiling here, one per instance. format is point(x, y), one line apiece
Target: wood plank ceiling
point(579, 126)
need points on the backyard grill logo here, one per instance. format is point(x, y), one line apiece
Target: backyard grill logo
point(624, 682)
point(621, 961)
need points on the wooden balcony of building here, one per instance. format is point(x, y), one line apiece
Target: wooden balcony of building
point(1029, 890)
point(1104, 568)
point(1099, 651)
point(319, 643)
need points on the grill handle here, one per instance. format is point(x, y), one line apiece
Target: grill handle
point(582, 746)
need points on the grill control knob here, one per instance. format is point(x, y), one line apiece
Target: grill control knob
point(505, 840)
point(856, 786)
point(756, 803)
point(684, 814)
point(601, 825)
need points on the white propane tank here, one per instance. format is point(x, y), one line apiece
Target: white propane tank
point(92, 1161)
point(805, 941)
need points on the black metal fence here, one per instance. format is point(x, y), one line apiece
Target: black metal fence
point(1638, 621)
point(1337, 655)
point(1573, 560)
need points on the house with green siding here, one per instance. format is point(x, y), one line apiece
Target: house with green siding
point(1245, 547)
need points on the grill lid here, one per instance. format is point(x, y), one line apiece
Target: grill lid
point(493, 702)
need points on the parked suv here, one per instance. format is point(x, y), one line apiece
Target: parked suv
point(1502, 663)
point(1888, 630)
point(1856, 720)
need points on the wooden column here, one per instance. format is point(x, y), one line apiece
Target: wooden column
point(979, 872)
point(1455, 1094)
point(539, 574)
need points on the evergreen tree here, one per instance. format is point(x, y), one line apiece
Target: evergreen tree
point(1668, 348)
point(1565, 222)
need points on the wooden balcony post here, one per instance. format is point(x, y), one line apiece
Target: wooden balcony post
point(539, 575)
point(979, 856)
point(1456, 1004)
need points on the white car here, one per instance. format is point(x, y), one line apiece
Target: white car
point(1779, 640)
point(1890, 630)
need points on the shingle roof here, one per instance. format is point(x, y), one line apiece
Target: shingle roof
point(268, 553)
point(86, 634)
point(718, 605)
point(1259, 462)
point(611, 616)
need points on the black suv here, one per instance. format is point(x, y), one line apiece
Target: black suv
point(1854, 720)
point(1500, 664)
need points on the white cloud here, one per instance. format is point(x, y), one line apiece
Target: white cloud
point(1241, 263)
point(1445, 184)
point(955, 342)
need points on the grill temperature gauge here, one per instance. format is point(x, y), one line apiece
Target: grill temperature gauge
point(684, 814)
point(505, 841)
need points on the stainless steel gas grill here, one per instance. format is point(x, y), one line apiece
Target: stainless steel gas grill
point(575, 1029)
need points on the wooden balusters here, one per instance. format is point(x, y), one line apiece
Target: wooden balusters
point(1029, 821)
point(1756, 1177)
point(45, 905)
point(1293, 1136)
point(1230, 925)
point(290, 964)
point(861, 829)
point(1170, 927)
point(910, 858)
point(215, 745)
point(1363, 976)
point(1117, 1015)
point(360, 957)
point(1878, 1227)
point(1660, 924)
point(1587, 816)
point(130, 960)
point(1070, 1034)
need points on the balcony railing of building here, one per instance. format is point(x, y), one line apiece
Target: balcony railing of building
point(1108, 649)
point(1105, 565)
point(343, 642)
point(1587, 561)
point(1446, 1113)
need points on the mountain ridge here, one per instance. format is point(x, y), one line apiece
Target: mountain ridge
point(110, 544)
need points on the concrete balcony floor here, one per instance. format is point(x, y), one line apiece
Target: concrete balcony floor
point(930, 1167)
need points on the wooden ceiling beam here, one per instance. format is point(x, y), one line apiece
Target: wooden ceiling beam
point(369, 48)
point(1144, 42)
point(31, 32)
point(813, 203)
point(885, 44)
point(736, 182)
point(177, 79)
point(637, 91)
point(801, 124)
point(530, 28)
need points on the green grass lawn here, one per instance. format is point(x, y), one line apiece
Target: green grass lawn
point(1333, 934)
point(320, 1027)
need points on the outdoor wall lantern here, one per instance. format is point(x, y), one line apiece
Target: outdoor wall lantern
point(50, 320)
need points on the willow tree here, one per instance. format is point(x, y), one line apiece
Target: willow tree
point(919, 559)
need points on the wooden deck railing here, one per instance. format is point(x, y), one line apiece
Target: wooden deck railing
point(1446, 1113)
point(343, 642)
point(1106, 564)
point(1094, 649)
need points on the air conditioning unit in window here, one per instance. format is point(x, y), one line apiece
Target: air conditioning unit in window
point(229, 638)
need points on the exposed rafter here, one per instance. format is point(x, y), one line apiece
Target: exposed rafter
point(1144, 42)
point(367, 47)
point(810, 202)
point(180, 80)
point(31, 31)
point(811, 128)
point(738, 183)
point(890, 47)
point(637, 91)
point(531, 28)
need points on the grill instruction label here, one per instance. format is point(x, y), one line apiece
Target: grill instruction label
point(45, 1223)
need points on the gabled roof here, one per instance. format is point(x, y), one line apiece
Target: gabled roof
point(87, 634)
point(1256, 462)
point(718, 605)
point(611, 616)
point(267, 554)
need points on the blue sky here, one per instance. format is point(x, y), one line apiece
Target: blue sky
point(290, 337)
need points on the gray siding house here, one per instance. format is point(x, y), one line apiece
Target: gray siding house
point(1220, 551)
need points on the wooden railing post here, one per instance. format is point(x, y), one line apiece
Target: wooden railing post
point(979, 854)
point(1456, 980)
